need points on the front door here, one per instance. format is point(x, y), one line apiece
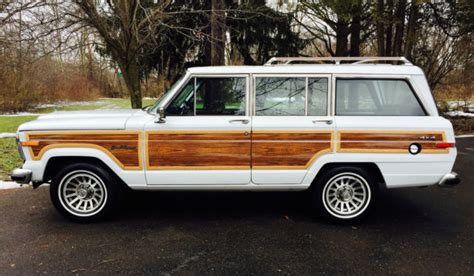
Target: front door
point(291, 126)
point(206, 136)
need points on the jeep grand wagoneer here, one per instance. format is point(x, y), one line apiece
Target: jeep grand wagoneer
point(342, 128)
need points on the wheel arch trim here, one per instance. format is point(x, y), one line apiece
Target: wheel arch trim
point(370, 167)
point(85, 154)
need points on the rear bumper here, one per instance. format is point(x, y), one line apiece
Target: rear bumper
point(22, 176)
point(449, 180)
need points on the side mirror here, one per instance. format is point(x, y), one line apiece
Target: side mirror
point(161, 116)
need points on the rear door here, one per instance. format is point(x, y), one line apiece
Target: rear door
point(206, 136)
point(291, 126)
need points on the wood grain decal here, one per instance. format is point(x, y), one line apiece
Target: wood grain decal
point(124, 147)
point(273, 149)
point(375, 141)
point(201, 150)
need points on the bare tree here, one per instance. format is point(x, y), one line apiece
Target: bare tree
point(333, 22)
point(125, 26)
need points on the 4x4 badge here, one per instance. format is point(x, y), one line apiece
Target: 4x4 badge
point(429, 138)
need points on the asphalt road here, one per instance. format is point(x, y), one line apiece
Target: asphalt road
point(411, 231)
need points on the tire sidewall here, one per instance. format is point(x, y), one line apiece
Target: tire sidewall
point(105, 177)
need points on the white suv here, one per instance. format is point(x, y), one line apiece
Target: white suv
point(342, 130)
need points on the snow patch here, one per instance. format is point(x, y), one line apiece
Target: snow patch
point(11, 185)
point(66, 103)
point(465, 136)
point(19, 114)
point(7, 135)
point(455, 105)
point(460, 114)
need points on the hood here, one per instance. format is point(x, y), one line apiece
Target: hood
point(82, 120)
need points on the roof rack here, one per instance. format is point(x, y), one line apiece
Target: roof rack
point(335, 60)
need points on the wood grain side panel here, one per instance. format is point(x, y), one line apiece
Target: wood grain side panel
point(80, 136)
point(391, 137)
point(286, 154)
point(122, 146)
point(288, 150)
point(195, 136)
point(389, 142)
point(192, 150)
point(290, 136)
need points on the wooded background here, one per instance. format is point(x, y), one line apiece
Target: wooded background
point(75, 50)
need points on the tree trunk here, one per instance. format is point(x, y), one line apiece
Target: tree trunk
point(389, 30)
point(355, 33)
point(399, 27)
point(380, 28)
point(217, 33)
point(216, 42)
point(410, 40)
point(214, 54)
point(342, 32)
point(131, 77)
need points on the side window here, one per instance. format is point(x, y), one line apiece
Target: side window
point(376, 97)
point(317, 96)
point(292, 96)
point(183, 104)
point(278, 96)
point(220, 96)
point(214, 96)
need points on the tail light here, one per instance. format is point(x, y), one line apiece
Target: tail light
point(444, 145)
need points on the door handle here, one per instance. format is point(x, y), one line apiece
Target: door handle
point(327, 121)
point(243, 121)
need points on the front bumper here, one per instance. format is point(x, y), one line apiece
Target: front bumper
point(449, 180)
point(21, 176)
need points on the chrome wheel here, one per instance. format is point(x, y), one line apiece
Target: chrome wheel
point(82, 193)
point(346, 195)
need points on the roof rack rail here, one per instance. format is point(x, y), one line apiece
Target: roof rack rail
point(335, 60)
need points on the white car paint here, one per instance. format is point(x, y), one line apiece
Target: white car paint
point(398, 170)
point(82, 120)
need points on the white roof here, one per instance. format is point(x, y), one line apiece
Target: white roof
point(366, 69)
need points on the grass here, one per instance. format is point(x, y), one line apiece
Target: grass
point(9, 157)
point(11, 123)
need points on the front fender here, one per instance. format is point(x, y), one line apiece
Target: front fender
point(38, 167)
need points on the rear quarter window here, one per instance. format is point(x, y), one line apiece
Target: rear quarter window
point(376, 97)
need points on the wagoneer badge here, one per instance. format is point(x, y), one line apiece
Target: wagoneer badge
point(115, 147)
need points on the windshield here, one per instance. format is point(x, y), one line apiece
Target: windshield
point(165, 95)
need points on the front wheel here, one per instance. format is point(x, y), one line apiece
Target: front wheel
point(344, 194)
point(83, 192)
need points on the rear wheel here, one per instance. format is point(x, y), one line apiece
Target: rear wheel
point(344, 194)
point(83, 192)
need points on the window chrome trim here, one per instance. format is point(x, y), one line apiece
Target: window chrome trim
point(178, 89)
point(333, 96)
point(194, 96)
point(250, 96)
point(306, 97)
